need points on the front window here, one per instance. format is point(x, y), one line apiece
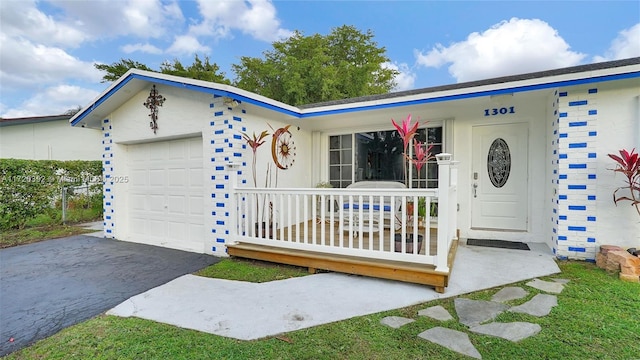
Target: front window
point(377, 155)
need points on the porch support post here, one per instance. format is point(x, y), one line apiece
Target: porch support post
point(233, 205)
point(453, 211)
point(442, 252)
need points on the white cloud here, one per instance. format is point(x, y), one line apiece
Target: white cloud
point(509, 47)
point(625, 45)
point(29, 64)
point(187, 45)
point(406, 78)
point(23, 19)
point(256, 18)
point(107, 18)
point(145, 48)
point(53, 100)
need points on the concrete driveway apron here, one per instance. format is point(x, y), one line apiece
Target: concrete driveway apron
point(50, 285)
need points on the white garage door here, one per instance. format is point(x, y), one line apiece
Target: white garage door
point(165, 197)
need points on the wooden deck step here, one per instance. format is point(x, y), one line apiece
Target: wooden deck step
point(386, 269)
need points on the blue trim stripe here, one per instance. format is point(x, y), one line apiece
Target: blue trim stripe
point(562, 217)
point(592, 240)
point(577, 187)
point(577, 145)
point(563, 115)
point(577, 207)
point(591, 218)
point(562, 197)
point(593, 91)
point(578, 103)
point(577, 166)
point(562, 156)
point(577, 249)
point(562, 237)
point(577, 123)
point(577, 228)
point(591, 197)
point(593, 112)
point(593, 133)
point(592, 155)
point(563, 135)
point(311, 113)
point(591, 176)
point(562, 94)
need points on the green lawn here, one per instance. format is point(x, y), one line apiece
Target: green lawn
point(596, 318)
point(49, 226)
point(35, 234)
point(251, 270)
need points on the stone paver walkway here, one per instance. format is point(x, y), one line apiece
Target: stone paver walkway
point(478, 315)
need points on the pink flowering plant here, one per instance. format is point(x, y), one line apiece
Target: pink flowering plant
point(628, 164)
point(422, 151)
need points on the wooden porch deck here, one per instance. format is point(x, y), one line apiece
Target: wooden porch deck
point(386, 269)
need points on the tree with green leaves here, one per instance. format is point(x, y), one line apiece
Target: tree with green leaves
point(200, 69)
point(308, 69)
point(119, 68)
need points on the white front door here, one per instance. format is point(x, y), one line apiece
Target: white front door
point(499, 194)
point(166, 197)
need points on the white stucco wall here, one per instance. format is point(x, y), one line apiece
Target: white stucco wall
point(186, 114)
point(618, 122)
point(52, 140)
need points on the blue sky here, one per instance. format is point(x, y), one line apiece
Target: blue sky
point(48, 48)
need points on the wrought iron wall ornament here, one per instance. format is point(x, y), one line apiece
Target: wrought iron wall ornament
point(499, 162)
point(153, 102)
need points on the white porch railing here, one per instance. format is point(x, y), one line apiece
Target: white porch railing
point(360, 222)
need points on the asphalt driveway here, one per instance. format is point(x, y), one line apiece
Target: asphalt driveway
point(50, 285)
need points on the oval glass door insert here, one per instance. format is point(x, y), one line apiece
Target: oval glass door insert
point(499, 162)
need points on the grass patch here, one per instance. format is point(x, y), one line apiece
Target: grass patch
point(49, 226)
point(11, 238)
point(595, 319)
point(251, 270)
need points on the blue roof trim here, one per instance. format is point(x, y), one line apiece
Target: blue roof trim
point(101, 100)
point(217, 92)
point(480, 93)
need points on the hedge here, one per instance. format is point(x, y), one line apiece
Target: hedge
point(30, 187)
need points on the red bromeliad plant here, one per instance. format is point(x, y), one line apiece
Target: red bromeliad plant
point(628, 163)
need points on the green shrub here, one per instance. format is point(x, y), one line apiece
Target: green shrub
point(29, 188)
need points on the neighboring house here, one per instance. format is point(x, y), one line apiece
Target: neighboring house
point(47, 138)
point(532, 152)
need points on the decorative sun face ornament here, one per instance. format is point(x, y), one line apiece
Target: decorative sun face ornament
point(283, 149)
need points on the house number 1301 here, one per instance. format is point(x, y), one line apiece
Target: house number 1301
point(500, 111)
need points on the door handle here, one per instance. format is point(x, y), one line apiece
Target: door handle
point(475, 190)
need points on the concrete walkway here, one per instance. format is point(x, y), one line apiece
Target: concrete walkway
point(98, 226)
point(251, 311)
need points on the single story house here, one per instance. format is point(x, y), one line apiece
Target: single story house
point(47, 138)
point(524, 160)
